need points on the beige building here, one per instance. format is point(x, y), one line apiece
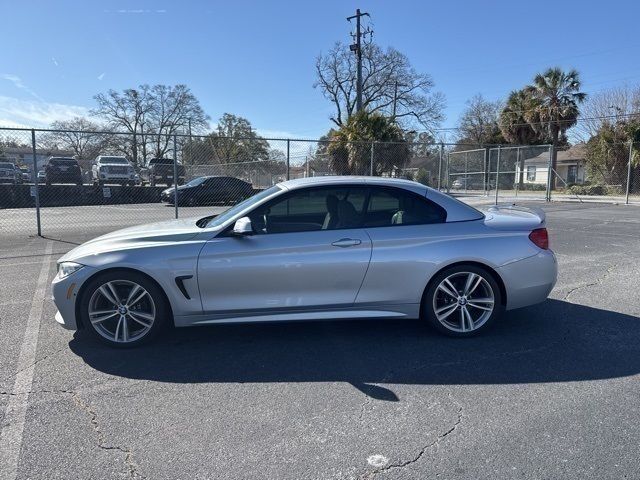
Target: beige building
point(570, 167)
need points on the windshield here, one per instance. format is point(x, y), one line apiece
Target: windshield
point(121, 160)
point(227, 214)
point(6, 165)
point(195, 182)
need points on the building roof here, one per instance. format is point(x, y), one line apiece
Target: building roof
point(572, 154)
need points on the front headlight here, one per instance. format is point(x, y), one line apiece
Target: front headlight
point(67, 268)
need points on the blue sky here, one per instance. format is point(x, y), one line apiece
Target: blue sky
point(256, 59)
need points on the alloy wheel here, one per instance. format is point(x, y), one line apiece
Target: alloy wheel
point(121, 311)
point(463, 302)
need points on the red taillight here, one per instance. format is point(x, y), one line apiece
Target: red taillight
point(540, 238)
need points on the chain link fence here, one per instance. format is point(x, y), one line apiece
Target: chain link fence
point(76, 185)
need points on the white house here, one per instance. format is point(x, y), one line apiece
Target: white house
point(570, 166)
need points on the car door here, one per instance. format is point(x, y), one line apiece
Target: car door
point(295, 260)
point(403, 227)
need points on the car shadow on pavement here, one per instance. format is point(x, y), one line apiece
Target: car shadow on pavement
point(555, 341)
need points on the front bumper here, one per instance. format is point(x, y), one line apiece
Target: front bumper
point(529, 281)
point(65, 294)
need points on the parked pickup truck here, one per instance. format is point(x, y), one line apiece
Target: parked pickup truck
point(8, 173)
point(160, 171)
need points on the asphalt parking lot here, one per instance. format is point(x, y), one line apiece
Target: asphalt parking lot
point(551, 392)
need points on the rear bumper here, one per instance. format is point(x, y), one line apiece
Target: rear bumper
point(529, 281)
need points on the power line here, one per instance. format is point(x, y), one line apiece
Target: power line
point(579, 119)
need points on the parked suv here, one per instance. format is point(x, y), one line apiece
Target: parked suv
point(62, 170)
point(112, 169)
point(8, 173)
point(161, 171)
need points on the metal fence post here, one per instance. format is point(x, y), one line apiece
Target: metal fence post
point(371, 161)
point(486, 171)
point(288, 159)
point(498, 173)
point(626, 199)
point(440, 165)
point(447, 169)
point(549, 173)
point(35, 180)
point(518, 174)
point(466, 169)
point(175, 174)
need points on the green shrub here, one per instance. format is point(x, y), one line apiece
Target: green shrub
point(596, 189)
point(422, 176)
point(533, 187)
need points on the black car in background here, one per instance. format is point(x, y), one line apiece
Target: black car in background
point(62, 170)
point(209, 190)
point(161, 171)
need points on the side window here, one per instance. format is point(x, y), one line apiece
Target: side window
point(211, 183)
point(312, 209)
point(388, 207)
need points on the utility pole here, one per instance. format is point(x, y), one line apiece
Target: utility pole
point(357, 48)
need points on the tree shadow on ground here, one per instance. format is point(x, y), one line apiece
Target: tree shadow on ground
point(555, 341)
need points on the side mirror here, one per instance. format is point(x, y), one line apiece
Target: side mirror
point(243, 227)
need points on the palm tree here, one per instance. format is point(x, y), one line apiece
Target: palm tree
point(557, 95)
point(513, 119)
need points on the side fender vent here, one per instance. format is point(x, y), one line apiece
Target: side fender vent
point(180, 283)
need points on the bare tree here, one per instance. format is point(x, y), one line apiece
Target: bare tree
point(127, 112)
point(174, 110)
point(478, 124)
point(390, 86)
point(80, 135)
point(607, 107)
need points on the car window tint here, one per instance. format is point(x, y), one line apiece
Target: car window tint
point(312, 209)
point(393, 207)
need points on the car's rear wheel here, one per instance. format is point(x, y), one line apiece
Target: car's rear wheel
point(123, 309)
point(462, 301)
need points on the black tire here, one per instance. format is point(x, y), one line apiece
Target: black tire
point(162, 308)
point(458, 271)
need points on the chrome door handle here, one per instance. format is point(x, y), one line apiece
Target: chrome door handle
point(347, 242)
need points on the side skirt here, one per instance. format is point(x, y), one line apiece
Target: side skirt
point(408, 311)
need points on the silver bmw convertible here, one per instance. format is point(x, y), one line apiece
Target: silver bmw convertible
point(311, 249)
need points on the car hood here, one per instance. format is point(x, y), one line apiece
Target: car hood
point(153, 234)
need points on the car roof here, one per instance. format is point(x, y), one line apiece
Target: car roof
point(353, 180)
point(456, 210)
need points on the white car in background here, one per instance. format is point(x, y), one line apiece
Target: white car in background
point(113, 170)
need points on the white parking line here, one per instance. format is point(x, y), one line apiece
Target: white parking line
point(16, 409)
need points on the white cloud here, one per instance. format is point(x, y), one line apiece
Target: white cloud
point(17, 82)
point(55, 62)
point(29, 113)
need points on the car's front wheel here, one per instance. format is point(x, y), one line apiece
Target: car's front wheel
point(123, 308)
point(462, 301)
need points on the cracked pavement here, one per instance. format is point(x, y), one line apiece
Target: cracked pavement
point(551, 392)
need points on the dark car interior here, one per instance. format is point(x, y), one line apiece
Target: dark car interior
point(343, 208)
